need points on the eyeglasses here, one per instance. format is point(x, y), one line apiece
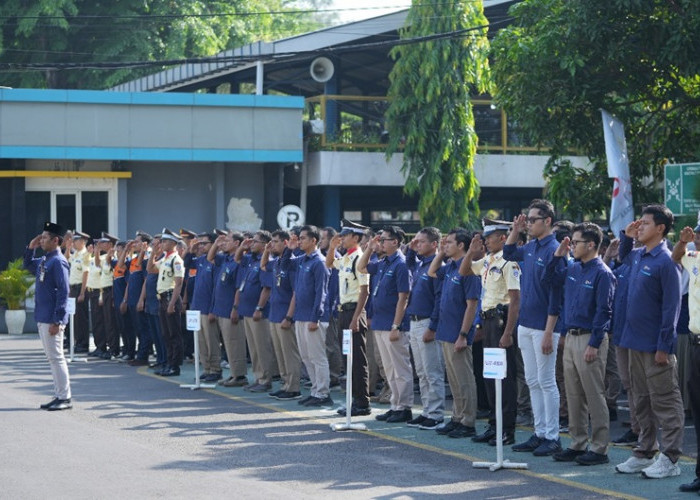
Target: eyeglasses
point(532, 220)
point(386, 239)
point(576, 242)
point(259, 241)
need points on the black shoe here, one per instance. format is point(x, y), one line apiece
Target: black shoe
point(547, 447)
point(400, 416)
point(485, 436)
point(45, 406)
point(629, 438)
point(507, 437)
point(314, 401)
point(162, 369)
point(592, 458)
point(447, 428)
point(415, 422)
point(95, 354)
point(79, 349)
point(171, 372)
point(688, 487)
point(274, 394)
point(305, 400)
point(568, 455)
point(60, 404)
point(430, 424)
point(461, 431)
point(105, 355)
point(382, 417)
point(355, 411)
point(530, 445)
point(288, 396)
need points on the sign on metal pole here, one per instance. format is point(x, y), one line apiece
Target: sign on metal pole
point(290, 216)
point(682, 188)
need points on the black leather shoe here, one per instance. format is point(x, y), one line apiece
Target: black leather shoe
point(694, 486)
point(355, 411)
point(60, 404)
point(508, 438)
point(171, 372)
point(45, 406)
point(485, 437)
point(383, 416)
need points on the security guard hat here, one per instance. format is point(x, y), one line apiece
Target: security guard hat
point(220, 232)
point(169, 235)
point(53, 228)
point(108, 238)
point(348, 227)
point(77, 235)
point(493, 225)
point(187, 234)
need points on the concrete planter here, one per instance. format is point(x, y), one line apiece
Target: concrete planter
point(15, 321)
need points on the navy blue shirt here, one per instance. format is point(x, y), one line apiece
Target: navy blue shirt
point(52, 288)
point(225, 285)
point(283, 274)
point(619, 314)
point(135, 281)
point(425, 291)
point(251, 282)
point(536, 299)
point(202, 297)
point(456, 291)
point(393, 277)
point(653, 298)
point(588, 291)
point(310, 287)
point(151, 305)
point(330, 308)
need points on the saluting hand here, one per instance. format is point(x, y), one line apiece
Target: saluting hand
point(476, 247)
point(687, 234)
point(564, 247)
point(335, 242)
point(633, 228)
point(35, 242)
point(520, 223)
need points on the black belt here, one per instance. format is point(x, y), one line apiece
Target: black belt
point(348, 306)
point(577, 331)
point(418, 318)
point(490, 314)
point(165, 295)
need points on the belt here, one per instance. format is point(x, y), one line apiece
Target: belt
point(165, 295)
point(490, 314)
point(418, 318)
point(694, 338)
point(348, 306)
point(104, 288)
point(577, 331)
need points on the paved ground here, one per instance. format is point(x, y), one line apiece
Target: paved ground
point(132, 434)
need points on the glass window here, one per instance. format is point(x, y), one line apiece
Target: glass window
point(37, 210)
point(94, 212)
point(65, 210)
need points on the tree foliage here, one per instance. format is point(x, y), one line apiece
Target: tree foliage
point(563, 60)
point(430, 114)
point(102, 31)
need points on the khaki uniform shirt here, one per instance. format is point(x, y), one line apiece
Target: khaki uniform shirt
point(169, 267)
point(349, 283)
point(94, 280)
point(107, 276)
point(497, 277)
point(691, 262)
point(79, 263)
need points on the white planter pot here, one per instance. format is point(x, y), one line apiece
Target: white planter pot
point(15, 321)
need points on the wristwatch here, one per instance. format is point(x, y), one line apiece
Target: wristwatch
point(394, 327)
point(258, 308)
point(464, 334)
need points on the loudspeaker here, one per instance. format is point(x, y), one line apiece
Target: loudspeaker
point(321, 69)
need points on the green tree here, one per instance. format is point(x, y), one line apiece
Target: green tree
point(561, 61)
point(430, 114)
point(108, 31)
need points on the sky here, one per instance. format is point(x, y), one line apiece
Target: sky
point(366, 8)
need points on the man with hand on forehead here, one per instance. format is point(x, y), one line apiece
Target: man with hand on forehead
point(51, 299)
point(79, 259)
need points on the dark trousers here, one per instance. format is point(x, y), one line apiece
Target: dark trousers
point(110, 321)
point(98, 325)
point(126, 330)
point(81, 318)
point(141, 330)
point(493, 330)
point(157, 337)
point(171, 327)
point(694, 393)
point(360, 371)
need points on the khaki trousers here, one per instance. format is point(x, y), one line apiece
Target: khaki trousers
point(585, 387)
point(284, 342)
point(209, 346)
point(257, 333)
point(312, 348)
point(460, 375)
point(657, 399)
point(623, 364)
point(234, 343)
point(397, 366)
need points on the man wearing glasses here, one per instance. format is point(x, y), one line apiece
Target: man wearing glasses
point(588, 286)
point(539, 311)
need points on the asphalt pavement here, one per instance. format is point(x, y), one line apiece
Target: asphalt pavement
point(133, 434)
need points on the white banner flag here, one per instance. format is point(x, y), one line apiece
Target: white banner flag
point(621, 209)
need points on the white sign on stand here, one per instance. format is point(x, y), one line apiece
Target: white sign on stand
point(70, 309)
point(348, 425)
point(347, 342)
point(194, 324)
point(70, 305)
point(496, 367)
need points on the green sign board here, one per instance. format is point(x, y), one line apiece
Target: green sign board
point(682, 188)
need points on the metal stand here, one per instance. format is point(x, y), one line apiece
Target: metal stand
point(500, 463)
point(197, 384)
point(72, 358)
point(348, 425)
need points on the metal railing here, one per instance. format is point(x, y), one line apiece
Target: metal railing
point(356, 123)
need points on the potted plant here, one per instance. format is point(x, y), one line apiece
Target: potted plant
point(15, 284)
